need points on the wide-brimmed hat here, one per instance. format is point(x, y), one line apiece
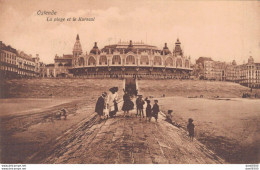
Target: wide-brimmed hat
point(113, 89)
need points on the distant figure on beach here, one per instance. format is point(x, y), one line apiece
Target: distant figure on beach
point(148, 110)
point(100, 105)
point(169, 116)
point(155, 109)
point(136, 103)
point(140, 106)
point(112, 101)
point(190, 128)
point(127, 105)
point(64, 113)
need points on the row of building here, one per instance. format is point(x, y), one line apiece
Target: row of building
point(247, 74)
point(121, 60)
point(16, 64)
point(126, 59)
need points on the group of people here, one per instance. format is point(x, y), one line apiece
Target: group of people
point(107, 104)
point(150, 111)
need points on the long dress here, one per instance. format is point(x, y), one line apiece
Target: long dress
point(128, 104)
point(148, 110)
point(190, 128)
point(100, 105)
point(112, 102)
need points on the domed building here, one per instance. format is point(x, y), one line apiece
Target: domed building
point(130, 59)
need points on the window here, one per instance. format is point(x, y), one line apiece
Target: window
point(116, 59)
point(169, 61)
point(91, 61)
point(130, 59)
point(82, 61)
point(144, 60)
point(103, 60)
point(157, 60)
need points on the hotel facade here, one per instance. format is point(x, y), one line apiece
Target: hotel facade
point(17, 64)
point(130, 59)
point(247, 74)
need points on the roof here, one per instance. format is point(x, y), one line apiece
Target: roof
point(24, 55)
point(77, 45)
point(7, 48)
point(95, 49)
point(124, 47)
point(165, 50)
point(65, 56)
point(49, 65)
point(136, 45)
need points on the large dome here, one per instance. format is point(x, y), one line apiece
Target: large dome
point(95, 49)
point(165, 50)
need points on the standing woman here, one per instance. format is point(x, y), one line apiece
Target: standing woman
point(112, 101)
point(128, 104)
point(100, 105)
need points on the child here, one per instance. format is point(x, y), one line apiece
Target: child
point(155, 109)
point(169, 116)
point(190, 128)
point(141, 107)
point(137, 105)
point(148, 110)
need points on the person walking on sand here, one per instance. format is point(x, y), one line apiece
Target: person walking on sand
point(127, 105)
point(155, 109)
point(100, 105)
point(140, 106)
point(137, 105)
point(190, 128)
point(148, 110)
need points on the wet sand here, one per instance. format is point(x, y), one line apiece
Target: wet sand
point(25, 132)
point(229, 126)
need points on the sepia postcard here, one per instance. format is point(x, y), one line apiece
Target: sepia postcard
point(129, 82)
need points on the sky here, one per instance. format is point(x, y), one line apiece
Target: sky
point(222, 30)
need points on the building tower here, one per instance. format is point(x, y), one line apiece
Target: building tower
point(77, 51)
point(165, 50)
point(177, 50)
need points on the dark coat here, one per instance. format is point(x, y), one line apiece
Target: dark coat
point(148, 110)
point(128, 104)
point(155, 110)
point(139, 103)
point(100, 105)
point(190, 128)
